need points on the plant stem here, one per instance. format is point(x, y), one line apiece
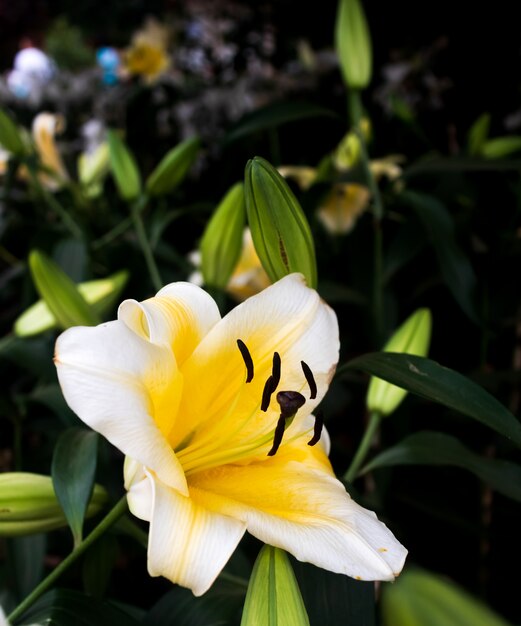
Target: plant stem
point(114, 514)
point(375, 418)
point(355, 114)
point(54, 205)
point(136, 210)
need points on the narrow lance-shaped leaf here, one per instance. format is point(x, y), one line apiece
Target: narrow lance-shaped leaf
point(432, 381)
point(124, 168)
point(273, 597)
point(478, 134)
point(501, 147)
point(353, 44)
point(421, 598)
point(432, 448)
point(73, 471)
point(455, 267)
point(222, 240)
point(173, 168)
point(10, 137)
point(99, 294)
point(279, 228)
point(61, 295)
point(412, 337)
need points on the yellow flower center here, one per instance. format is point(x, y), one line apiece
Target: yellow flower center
point(202, 451)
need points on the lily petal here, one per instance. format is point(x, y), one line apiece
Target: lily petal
point(189, 544)
point(179, 316)
point(115, 381)
point(302, 508)
point(288, 318)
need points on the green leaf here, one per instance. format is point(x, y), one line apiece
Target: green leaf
point(173, 168)
point(73, 472)
point(28, 554)
point(10, 137)
point(353, 44)
point(455, 267)
point(478, 134)
point(222, 240)
point(97, 565)
point(274, 115)
point(432, 381)
point(100, 294)
point(273, 596)
point(419, 598)
point(501, 147)
point(433, 448)
point(219, 606)
point(61, 295)
point(279, 228)
point(62, 607)
point(334, 599)
point(124, 168)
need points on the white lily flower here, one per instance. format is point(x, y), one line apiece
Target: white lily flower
point(199, 405)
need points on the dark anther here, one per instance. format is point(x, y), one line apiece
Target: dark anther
point(319, 423)
point(290, 402)
point(248, 361)
point(311, 380)
point(277, 437)
point(269, 388)
point(275, 370)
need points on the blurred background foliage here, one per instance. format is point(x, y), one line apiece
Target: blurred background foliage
point(263, 79)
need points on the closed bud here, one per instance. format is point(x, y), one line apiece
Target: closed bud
point(124, 168)
point(61, 295)
point(353, 44)
point(222, 240)
point(279, 228)
point(29, 505)
point(100, 294)
point(273, 597)
point(413, 337)
point(173, 168)
point(10, 137)
point(92, 169)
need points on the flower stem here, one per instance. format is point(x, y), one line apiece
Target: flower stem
point(367, 440)
point(54, 205)
point(136, 210)
point(355, 114)
point(114, 514)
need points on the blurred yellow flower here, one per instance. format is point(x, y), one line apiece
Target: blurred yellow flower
point(249, 277)
point(343, 206)
point(147, 55)
point(52, 174)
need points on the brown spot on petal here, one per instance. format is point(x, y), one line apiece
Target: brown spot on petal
point(382, 550)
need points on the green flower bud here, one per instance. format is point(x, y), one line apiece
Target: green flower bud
point(100, 294)
point(279, 228)
point(92, 169)
point(353, 44)
point(173, 168)
point(67, 305)
point(124, 168)
point(222, 240)
point(413, 337)
point(273, 597)
point(29, 505)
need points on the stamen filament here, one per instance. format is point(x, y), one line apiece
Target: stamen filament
point(248, 361)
